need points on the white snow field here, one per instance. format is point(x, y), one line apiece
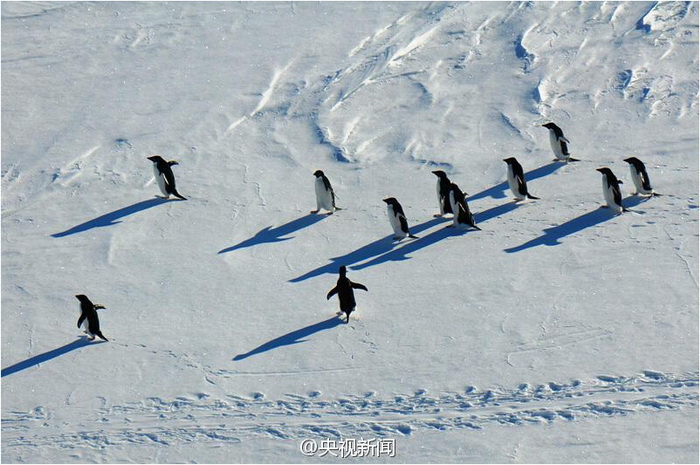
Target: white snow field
point(558, 333)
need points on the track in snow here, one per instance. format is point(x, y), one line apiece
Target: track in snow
point(296, 417)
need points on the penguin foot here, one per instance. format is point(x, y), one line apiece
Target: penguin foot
point(314, 211)
point(329, 213)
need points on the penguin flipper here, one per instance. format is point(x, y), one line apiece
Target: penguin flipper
point(81, 319)
point(359, 286)
point(332, 292)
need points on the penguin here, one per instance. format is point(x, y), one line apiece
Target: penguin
point(462, 214)
point(640, 177)
point(558, 143)
point(516, 180)
point(344, 288)
point(611, 191)
point(325, 197)
point(88, 317)
point(164, 176)
point(443, 193)
point(397, 218)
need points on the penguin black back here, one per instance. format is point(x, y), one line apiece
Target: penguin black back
point(344, 288)
point(88, 311)
point(443, 191)
point(164, 168)
point(643, 177)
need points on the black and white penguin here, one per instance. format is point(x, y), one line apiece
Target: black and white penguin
point(516, 180)
point(462, 215)
point(397, 218)
point(344, 288)
point(325, 197)
point(640, 177)
point(443, 192)
point(88, 317)
point(559, 143)
point(611, 190)
point(164, 176)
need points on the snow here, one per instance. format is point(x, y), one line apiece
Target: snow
point(558, 333)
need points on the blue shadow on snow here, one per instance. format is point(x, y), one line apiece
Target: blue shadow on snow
point(113, 218)
point(365, 252)
point(401, 253)
point(553, 235)
point(295, 337)
point(270, 234)
point(83, 341)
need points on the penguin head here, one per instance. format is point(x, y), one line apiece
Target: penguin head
point(155, 158)
point(318, 173)
point(509, 160)
point(82, 298)
point(607, 172)
point(550, 126)
point(342, 271)
point(634, 161)
point(390, 201)
point(440, 174)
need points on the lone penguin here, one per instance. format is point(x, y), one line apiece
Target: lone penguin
point(164, 176)
point(462, 215)
point(88, 317)
point(611, 191)
point(640, 177)
point(397, 219)
point(443, 192)
point(516, 180)
point(344, 288)
point(558, 143)
point(325, 197)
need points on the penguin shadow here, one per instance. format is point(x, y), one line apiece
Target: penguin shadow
point(553, 235)
point(113, 218)
point(366, 252)
point(82, 341)
point(401, 253)
point(498, 191)
point(295, 337)
point(422, 242)
point(270, 234)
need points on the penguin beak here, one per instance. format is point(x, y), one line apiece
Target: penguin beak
point(600, 169)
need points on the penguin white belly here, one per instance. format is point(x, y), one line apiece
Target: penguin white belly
point(395, 222)
point(513, 184)
point(160, 179)
point(637, 180)
point(609, 194)
point(439, 197)
point(86, 328)
point(455, 208)
point(324, 198)
point(556, 145)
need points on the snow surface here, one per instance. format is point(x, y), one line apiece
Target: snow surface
point(559, 333)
